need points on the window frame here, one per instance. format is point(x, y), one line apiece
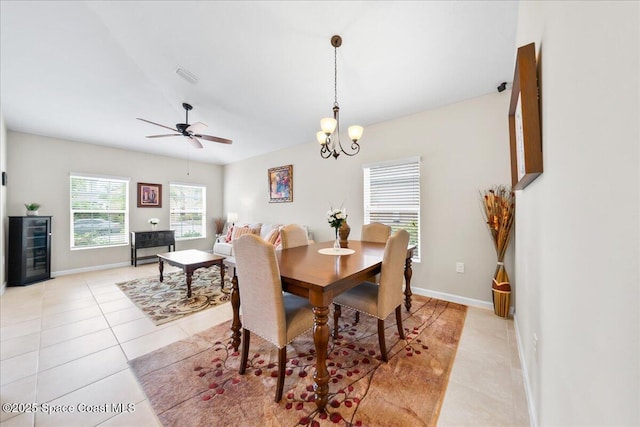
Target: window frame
point(203, 210)
point(386, 209)
point(72, 212)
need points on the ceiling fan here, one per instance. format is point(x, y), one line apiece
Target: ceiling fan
point(189, 131)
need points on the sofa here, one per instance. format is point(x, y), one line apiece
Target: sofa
point(270, 232)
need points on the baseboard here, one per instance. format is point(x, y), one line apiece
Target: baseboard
point(105, 266)
point(92, 268)
point(453, 298)
point(525, 377)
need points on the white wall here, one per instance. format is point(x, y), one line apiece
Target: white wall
point(3, 207)
point(464, 148)
point(577, 226)
point(39, 171)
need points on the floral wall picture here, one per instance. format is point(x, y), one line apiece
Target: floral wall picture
point(280, 184)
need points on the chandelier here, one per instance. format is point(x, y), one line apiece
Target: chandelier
point(329, 136)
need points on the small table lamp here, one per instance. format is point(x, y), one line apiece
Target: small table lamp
point(232, 217)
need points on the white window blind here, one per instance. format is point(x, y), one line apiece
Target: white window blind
point(392, 197)
point(99, 211)
point(187, 204)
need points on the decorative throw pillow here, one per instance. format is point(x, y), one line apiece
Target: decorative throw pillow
point(227, 238)
point(273, 236)
point(241, 231)
point(278, 241)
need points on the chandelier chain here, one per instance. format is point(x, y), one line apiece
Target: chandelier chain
point(335, 76)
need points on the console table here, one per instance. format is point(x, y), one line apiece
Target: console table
point(151, 239)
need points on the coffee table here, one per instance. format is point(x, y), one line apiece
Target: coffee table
point(190, 260)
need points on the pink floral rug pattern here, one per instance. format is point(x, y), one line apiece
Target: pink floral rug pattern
point(195, 381)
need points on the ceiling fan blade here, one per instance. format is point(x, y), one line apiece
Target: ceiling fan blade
point(162, 136)
point(194, 141)
point(196, 127)
point(215, 139)
point(158, 124)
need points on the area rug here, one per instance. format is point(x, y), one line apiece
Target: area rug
point(195, 381)
point(165, 301)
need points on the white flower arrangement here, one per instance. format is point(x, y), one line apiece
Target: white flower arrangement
point(154, 221)
point(336, 217)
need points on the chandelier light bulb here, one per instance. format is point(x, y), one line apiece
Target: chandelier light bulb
point(328, 125)
point(355, 133)
point(321, 137)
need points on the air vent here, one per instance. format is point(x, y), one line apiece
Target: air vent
point(187, 75)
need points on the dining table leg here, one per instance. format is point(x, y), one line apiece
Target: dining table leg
point(408, 272)
point(235, 304)
point(321, 341)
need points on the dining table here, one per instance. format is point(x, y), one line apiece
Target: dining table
point(319, 272)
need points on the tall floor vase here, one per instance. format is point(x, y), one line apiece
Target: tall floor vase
point(501, 289)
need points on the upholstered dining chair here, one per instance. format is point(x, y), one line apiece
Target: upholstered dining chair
point(276, 316)
point(375, 232)
point(293, 235)
point(380, 300)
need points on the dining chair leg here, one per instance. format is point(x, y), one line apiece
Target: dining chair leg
point(399, 321)
point(383, 346)
point(282, 365)
point(246, 337)
point(337, 312)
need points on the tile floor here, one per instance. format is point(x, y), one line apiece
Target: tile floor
point(67, 341)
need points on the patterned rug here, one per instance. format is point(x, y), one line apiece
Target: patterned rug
point(167, 301)
point(195, 381)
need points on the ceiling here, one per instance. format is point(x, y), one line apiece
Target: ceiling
point(84, 71)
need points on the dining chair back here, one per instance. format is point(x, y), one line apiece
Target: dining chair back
point(380, 300)
point(276, 316)
point(293, 235)
point(390, 294)
point(375, 232)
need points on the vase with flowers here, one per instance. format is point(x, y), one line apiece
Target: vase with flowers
point(154, 223)
point(499, 211)
point(335, 218)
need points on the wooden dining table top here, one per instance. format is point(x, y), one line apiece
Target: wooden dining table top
point(305, 271)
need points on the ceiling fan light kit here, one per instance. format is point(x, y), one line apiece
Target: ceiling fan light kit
point(190, 131)
point(329, 136)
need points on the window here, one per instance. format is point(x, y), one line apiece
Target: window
point(392, 196)
point(187, 206)
point(99, 211)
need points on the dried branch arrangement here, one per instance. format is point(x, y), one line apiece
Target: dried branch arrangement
point(219, 224)
point(499, 211)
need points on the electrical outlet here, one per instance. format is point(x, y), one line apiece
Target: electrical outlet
point(459, 267)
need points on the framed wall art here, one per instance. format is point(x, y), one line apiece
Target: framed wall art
point(524, 120)
point(149, 195)
point(280, 184)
